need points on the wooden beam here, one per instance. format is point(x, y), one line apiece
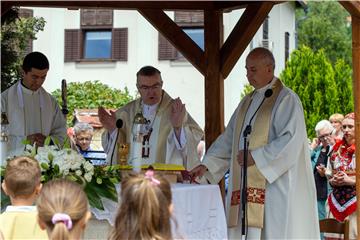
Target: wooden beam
point(242, 34)
point(172, 32)
point(5, 6)
point(214, 82)
point(356, 90)
point(164, 5)
point(353, 7)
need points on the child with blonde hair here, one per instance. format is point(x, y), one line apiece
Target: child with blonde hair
point(145, 210)
point(22, 184)
point(63, 209)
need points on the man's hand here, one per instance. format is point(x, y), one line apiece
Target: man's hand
point(37, 138)
point(107, 119)
point(240, 158)
point(198, 171)
point(177, 113)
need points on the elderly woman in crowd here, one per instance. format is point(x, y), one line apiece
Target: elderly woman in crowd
point(336, 120)
point(341, 172)
point(83, 133)
point(319, 158)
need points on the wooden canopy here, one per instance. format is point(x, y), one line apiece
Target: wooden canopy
point(218, 58)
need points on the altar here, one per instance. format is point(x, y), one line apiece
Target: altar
point(198, 211)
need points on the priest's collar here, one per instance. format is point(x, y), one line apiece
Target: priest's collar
point(149, 109)
point(21, 89)
point(266, 87)
point(27, 90)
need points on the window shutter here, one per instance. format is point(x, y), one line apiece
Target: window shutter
point(189, 18)
point(104, 17)
point(88, 17)
point(72, 45)
point(26, 13)
point(120, 44)
point(166, 50)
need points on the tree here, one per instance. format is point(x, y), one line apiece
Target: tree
point(15, 35)
point(321, 90)
point(325, 26)
point(343, 81)
point(91, 95)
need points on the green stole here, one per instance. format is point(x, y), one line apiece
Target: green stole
point(255, 180)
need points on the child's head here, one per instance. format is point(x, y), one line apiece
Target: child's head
point(145, 208)
point(63, 209)
point(22, 178)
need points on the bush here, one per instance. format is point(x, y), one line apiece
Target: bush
point(91, 95)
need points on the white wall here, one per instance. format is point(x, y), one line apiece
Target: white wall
point(180, 78)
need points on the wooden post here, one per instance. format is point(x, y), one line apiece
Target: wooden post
point(214, 82)
point(356, 90)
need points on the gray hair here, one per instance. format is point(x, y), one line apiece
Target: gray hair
point(82, 127)
point(323, 124)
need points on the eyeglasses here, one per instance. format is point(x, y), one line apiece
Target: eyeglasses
point(347, 126)
point(156, 86)
point(324, 136)
point(84, 139)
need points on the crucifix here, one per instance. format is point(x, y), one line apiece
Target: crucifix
point(146, 145)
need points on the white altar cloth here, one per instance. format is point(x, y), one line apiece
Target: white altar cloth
point(198, 210)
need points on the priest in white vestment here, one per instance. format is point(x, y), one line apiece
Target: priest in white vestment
point(32, 112)
point(281, 195)
point(171, 135)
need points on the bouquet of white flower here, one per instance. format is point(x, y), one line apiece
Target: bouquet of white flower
point(57, 162)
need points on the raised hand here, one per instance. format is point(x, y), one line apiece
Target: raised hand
point(107, 119)
point(177, 113)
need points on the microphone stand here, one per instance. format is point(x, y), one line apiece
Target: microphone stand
point(246, 132)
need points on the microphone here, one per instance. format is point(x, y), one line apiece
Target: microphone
point(64, 108)
point(268, 93)
point(119, 124)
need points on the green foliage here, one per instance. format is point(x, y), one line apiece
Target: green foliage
point(247, 89)
point(343, 80)
point(325, 26)
point(313, 78)
point(15, 36)
point(91, 95)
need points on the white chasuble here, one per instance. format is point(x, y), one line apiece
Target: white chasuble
point(290, 199)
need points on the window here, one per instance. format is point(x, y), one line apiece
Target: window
point(192, 23)
point(97, 40)
point(287, 47)
point(266, 28)
point(97, 44)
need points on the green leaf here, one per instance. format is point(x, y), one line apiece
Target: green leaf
point(47, 141)
point(44, 166)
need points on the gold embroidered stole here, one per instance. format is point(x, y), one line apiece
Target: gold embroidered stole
point(255, 180)
point(163, 113)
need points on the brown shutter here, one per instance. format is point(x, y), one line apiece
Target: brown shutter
point(26, 13)
point(72, 45)
point(166, 50)
point(120, 44)
point(102, 18)
point(189, 18)
point(88, 17)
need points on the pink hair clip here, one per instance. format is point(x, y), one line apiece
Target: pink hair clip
point(149, 174)
point(62, 217)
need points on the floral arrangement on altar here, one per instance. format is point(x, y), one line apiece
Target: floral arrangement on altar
point(64, 162)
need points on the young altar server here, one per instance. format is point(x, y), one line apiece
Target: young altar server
point(145, 209)
point(32, 112)
point(63, 209)
point(22, 185)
